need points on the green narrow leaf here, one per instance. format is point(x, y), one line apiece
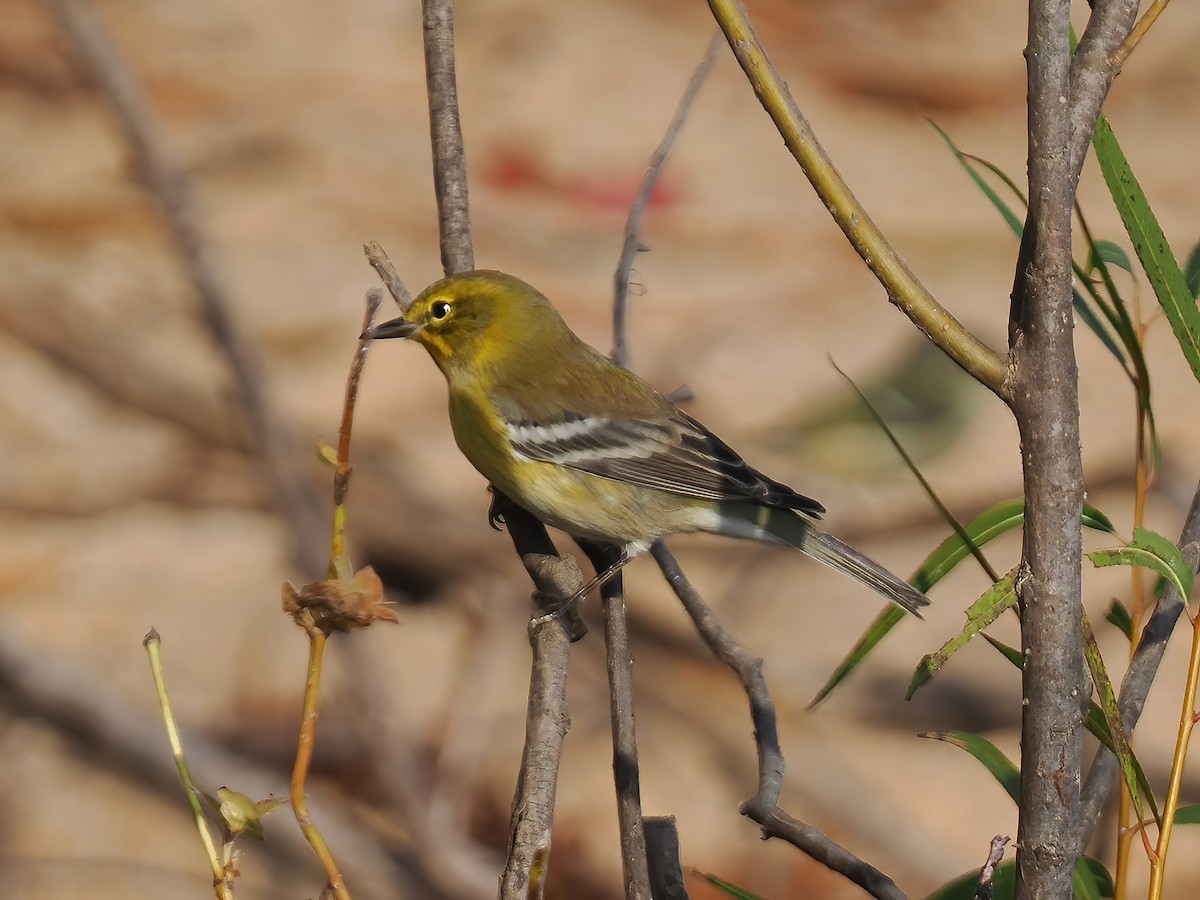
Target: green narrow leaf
point(1150, 244)
point(1112, 717)
point(1191, 271)
point(1001, 767)
point(1085, 313)
point(989, 524)
point(1012, 654)
point(1188, 815)
point(1109, 252)
point(1096, 725)
point(731, 889)
point(1013, 220)
point(1118, 615)
point(1150, 550)
point(982, 613)
point(1092, 881)
point(889, 617)
point(1004, 884)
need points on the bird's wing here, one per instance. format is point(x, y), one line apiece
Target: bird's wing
point(672, 453)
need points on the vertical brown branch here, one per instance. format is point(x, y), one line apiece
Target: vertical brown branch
point(1045, 401)
point(1065, 96)
point(445, 130)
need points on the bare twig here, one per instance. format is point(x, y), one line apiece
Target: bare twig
point(818, 845)
point(988, 872)
point(387, 273)
point(164, 179)
point(748, 669)
point(222, 875)
point(763, 808)
point(619, 658)
point(662, 855)
point(902, 286)
point(445, 129)
point(633, 244)
point(1135, 686)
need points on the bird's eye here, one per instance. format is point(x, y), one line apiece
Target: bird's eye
point(440, 310)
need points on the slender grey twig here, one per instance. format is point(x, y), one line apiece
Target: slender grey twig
point(633, 244)
point(763, 808)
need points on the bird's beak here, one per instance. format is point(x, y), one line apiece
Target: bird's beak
point(394, 328)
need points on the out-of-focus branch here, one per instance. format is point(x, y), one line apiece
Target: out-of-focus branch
point(166, 182)
point(1135, 686)
point(763, 808)
point(903, 289)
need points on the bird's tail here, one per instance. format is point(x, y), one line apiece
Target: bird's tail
point(784, 526)
point(841, 556)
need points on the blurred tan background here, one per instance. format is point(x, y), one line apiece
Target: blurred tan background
point(129, 497)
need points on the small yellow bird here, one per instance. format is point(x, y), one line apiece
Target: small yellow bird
point(588, 447)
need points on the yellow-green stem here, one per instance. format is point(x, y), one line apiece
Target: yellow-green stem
point(1149, 17)
point(304, 751)
point(902, 286)
point(1187, 721)
point(221, 883)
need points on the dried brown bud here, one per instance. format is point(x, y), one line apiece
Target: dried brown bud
point(337, 605)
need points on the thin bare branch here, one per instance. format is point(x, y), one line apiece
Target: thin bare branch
point(445, 130)
point(633, 244)
point(387, 273)
point(818, 845)
point(902, 286)
point(763, 808)
point(619, 659)
point(164, 179)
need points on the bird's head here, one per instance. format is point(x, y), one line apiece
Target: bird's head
point(473, 318)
